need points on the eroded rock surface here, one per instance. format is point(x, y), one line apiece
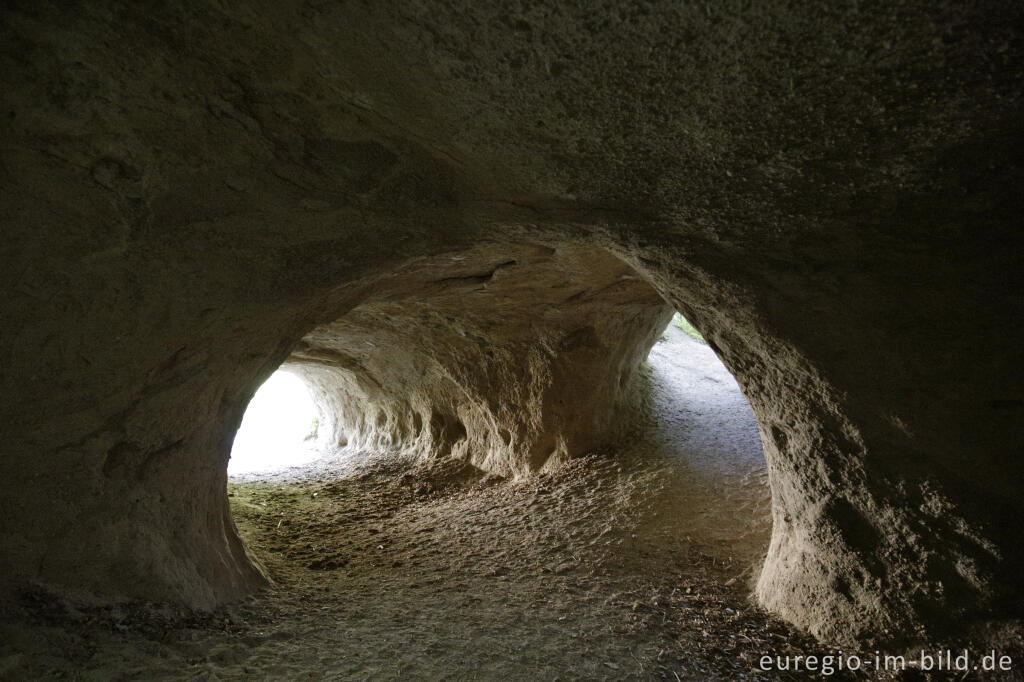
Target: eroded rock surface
point(509, 357)
point(831, 193)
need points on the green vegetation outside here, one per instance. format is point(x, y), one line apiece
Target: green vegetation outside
point(681, 322)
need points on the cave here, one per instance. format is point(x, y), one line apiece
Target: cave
point(465, 225)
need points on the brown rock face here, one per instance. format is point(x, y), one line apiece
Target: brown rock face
point(462, 222)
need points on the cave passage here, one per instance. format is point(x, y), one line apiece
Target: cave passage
point(695, 428)
point(673, 514)
point(703, 430)
point(686, 421)
point(278, 429)
point(512, 361)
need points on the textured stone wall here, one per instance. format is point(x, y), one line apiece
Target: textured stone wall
point(193, 194)
point(510, 357)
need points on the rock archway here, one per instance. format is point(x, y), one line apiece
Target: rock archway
point(831, 195)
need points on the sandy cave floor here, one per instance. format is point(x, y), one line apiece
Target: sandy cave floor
point(629, 565)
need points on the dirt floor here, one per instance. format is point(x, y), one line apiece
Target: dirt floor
point(635, 564)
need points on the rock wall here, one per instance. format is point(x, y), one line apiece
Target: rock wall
point(510, 357)
point(831, 193)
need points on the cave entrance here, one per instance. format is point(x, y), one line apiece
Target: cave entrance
point(704, 431)
point(491, 436)
point(512, 361)
point(693, 390)
point(279, 428)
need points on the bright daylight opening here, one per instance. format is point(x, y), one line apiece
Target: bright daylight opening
point(278, 429)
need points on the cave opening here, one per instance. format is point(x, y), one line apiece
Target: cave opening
point(513, 360)
point(672, 509)
point(379, 390)
point(510, 361)
point(704, 431)
point(279, 428)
